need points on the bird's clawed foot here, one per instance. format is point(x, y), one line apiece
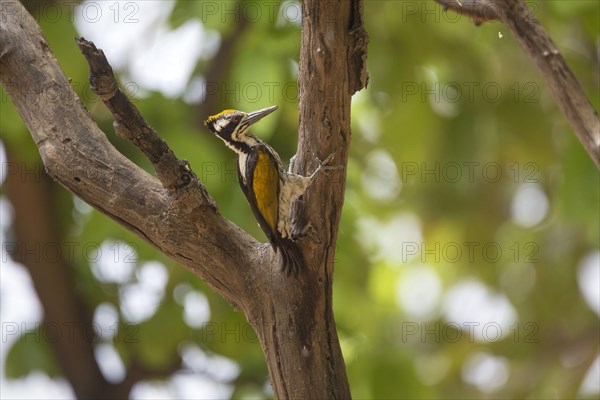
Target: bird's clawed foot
point(324, 165)
point(309, 232)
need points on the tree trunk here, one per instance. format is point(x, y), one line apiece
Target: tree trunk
point(300, 339)
point(293, 317)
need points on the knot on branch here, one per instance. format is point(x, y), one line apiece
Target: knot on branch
point(105, 87)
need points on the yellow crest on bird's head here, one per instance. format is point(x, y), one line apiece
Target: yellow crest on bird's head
point(232, 125)
point(217, 116)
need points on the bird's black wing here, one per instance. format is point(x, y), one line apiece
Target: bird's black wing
point(262, 191)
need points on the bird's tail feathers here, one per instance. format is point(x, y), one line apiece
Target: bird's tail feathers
point(290, 254)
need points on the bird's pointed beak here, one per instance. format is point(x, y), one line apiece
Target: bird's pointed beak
point(255, 116)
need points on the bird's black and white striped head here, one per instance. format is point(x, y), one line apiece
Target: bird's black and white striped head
point(232, 127)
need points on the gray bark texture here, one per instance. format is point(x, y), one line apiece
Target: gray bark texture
point(172, 211)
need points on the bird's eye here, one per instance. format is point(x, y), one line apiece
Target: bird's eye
point(235, 118)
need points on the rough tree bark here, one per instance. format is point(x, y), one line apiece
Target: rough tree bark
point(551, 65)
point(173, 212)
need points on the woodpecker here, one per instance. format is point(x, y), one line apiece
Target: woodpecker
point(269, 188)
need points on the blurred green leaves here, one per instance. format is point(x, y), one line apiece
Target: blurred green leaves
point(454, 121)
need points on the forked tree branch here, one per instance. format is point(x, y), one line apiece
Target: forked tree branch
point(332, 69)
point(174, 214)
point(551, 65)
point(293, 317)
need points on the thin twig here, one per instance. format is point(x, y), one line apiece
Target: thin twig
point(173, 173)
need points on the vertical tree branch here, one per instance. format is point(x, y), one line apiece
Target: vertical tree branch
point(219, 68)
point(296, 325)
point(35, 228)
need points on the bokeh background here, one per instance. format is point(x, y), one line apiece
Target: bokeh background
point(468, 261)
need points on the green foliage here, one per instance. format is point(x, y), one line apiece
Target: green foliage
point(32, 353)
point(466, 121)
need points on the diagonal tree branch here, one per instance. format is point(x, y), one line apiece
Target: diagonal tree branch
point(293, 318)
point(182, 221)
point(129, 124)
point(551, 65)
point(479, 10)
